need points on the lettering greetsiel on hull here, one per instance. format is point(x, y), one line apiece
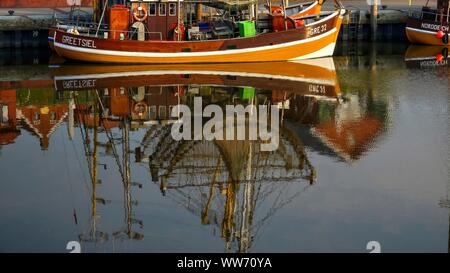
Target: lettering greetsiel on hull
point(69, 40)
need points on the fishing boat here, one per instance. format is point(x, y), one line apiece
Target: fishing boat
point(429, 26)
point(158, 33)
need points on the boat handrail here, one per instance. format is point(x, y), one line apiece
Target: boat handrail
point(421, 14)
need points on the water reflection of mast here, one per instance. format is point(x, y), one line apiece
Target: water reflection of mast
point(243, 175)
point(93, 235)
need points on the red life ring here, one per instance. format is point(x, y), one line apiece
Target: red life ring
point(138, 16)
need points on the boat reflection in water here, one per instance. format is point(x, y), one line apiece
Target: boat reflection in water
point(231, 186)
point(422, 56)
point(222, 182)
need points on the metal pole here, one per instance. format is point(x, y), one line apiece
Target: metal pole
point(374, 19)
point(101, 18)
point(285, 15)
point(178, 20)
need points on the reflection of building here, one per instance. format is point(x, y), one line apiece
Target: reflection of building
point(8, 123)
point(346, 128)
point(42, 120)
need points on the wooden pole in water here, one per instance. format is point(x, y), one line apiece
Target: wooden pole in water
point(374, 19)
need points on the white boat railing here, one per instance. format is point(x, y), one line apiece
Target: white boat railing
point(90, 29)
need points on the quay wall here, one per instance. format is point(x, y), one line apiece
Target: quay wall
point(43, 3)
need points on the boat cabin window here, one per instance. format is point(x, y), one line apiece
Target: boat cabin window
point(162, 112)
point(152, 112)
point(173, 9)
point(152, 9)
point(162, 9)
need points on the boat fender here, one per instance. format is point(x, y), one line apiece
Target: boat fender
point(440, 34)
point(439, 57)
point(174, 27)
point(445, 38)
point(140, 14)
point(445, 53)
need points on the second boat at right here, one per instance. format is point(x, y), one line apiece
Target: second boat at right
point(430, 25)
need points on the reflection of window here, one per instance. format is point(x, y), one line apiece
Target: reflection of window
point(152, 112)
point(52, 117)
point(162, 112)
point(162, 9)
point(3, 114)
point(37, 118)
point(172, 9)
point(152, 9)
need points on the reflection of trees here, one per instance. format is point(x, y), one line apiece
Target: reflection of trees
point(231, 185)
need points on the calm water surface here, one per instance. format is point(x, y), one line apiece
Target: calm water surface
point(86, 154)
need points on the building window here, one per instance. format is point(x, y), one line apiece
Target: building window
point(152, 9)
point(162, 112)
point(162, 9)
point(173, 9)
point(152, 112)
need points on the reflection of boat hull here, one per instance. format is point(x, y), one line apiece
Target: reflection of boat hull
point(315, 40)
point(421, 56)
point(316, 77)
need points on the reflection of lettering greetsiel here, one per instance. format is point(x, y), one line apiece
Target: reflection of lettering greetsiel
point(74, 84)
point(78, 41)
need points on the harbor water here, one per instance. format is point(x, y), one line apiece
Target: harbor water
point(86, 155)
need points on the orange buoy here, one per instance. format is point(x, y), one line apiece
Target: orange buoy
point(440, 34)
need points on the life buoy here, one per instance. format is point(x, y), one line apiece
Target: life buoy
point(140, 14)
point(140, 108)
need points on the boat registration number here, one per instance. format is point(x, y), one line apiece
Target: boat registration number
point(317, 89)
point(78, 41)
point(317, 30)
